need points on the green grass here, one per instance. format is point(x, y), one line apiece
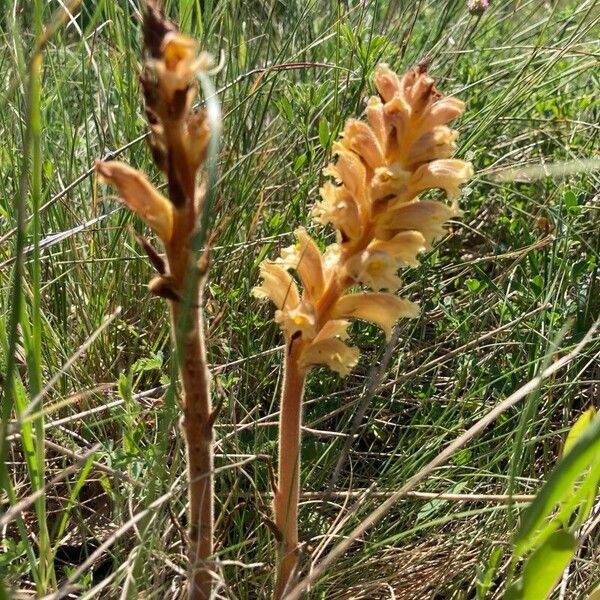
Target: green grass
point(524, 256)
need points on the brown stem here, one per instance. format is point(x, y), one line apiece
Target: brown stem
point(286, 499)
point(287, 494)
point(197, 427)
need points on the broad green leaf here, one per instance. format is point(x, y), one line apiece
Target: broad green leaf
point(575, 508)
point(473, 285)
point(300, 162)
point(559, 486)
point(125, 387)
point(582, 499)
point(285, 108)
point(571, 201)
point(150, 363)
point(578, 428)
point(545, 566)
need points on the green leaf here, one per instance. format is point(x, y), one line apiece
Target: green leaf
point(545, 566)
point(324, 133)
point(581, 500)
point(559, 486)
point(537, 284)
point(347, 33)
point(125, 387)
point(300, 162)
point(574, 509)
point(473, 285)
point(433, 506)
point(285, 108)
point(578, 428)
point(150, 363)
point(486, 578)
point(242, 51)
point(571, 201)
point(27, 432)
point(66, 512)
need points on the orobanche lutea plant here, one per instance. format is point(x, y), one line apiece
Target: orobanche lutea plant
point(179, 139)
point(373, 203)
point(381, 225)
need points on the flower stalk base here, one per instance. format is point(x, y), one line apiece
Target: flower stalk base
point(197, 428)
point(286, 499)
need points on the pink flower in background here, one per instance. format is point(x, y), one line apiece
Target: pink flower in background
point(478, 7)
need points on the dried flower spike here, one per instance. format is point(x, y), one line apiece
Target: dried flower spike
point(178, 141)
point(403, 149)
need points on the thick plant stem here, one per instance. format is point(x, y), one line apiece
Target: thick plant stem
point(287, 493)
point(197, 424)
point(179, 140)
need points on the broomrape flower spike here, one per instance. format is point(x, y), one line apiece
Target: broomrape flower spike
point(383, 163)
point(178, 141)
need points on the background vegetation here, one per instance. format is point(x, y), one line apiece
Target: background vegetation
point(517, 269)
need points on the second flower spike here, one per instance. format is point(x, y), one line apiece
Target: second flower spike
point(178, 140)
point(382, 165)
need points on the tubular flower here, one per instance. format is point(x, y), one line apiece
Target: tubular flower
point(382, 164)
point(138, 194)
point(277, 285)
point(375, 269)
point(179, 64)
point(305, 258)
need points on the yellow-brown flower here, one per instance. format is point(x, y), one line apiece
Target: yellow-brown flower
point(382, 166)
point(317, 316)
point(138, 194)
